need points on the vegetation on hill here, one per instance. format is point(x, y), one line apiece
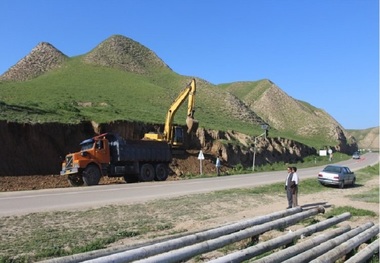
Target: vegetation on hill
point(125, 54)
point(40, 236)
point(367, 139)
point(122, 80)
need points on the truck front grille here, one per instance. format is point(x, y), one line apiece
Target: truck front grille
point(69, 162)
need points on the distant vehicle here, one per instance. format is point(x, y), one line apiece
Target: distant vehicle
point(356, 155)
point(337, 175)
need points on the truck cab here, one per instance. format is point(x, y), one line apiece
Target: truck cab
point(85, 166)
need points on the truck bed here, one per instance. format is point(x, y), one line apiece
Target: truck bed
point(144, 150)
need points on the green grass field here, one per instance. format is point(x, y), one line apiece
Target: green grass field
point(39, 236)
point(78, 91)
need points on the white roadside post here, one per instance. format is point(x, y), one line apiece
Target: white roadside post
point(254, 155)
point(200, 158)
point(264, 134)
point(330, 155)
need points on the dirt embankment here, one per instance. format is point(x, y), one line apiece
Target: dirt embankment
point(38, 149)
point(181, 167)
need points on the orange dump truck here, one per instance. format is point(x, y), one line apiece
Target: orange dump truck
point(110, 155)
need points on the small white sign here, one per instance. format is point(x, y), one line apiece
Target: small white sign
point(201, 156)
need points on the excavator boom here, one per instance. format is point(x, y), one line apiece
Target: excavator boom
point(192, 124)
point(174, 135)
point(188, 92)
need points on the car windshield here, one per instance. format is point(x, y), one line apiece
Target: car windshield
point(332, 169)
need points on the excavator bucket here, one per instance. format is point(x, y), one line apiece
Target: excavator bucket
point(192, 124)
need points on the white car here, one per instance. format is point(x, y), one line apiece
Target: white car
point(356, 155)
point(337, 175)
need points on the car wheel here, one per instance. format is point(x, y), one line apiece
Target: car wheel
point(341, 184)
point(353, 182)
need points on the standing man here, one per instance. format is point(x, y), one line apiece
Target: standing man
point(294, 187)
point(217, 165)
point(288, 189)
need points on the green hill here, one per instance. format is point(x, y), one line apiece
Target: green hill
point(367, 138)
point(121, 79)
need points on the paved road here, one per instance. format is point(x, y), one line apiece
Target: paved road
point(23, 202)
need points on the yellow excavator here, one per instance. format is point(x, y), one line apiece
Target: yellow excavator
point(174, 135)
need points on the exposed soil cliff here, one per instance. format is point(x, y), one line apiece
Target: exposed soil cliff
point(37, 149)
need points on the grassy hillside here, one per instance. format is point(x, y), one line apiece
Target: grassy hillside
point(123, 80)
point(78, 91)
point(367, 139)
point(290, 117)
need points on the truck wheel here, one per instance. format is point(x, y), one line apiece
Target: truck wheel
point(75, 180)
point(146, 173)
point(91, 175)
point(161, 172)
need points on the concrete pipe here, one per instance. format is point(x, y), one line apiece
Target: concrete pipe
point(161, 247)
point(213, 244)
point(284, 254)
point(263, 247)
point(363, 255)
point(344, 248)
point(323, 248)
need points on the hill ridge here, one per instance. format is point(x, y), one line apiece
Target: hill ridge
point(251, 102)
point(42, 58)
point(124, 53)
point(284, 113)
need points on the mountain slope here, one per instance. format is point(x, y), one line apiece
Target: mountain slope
point(286, 114)
point(40, 60)
point(367, 139)
point(122, 79)
point(124, 53)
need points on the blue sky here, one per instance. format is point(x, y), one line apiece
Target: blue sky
point(324, 52)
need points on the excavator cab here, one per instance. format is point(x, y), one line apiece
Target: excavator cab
point(178, 136)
